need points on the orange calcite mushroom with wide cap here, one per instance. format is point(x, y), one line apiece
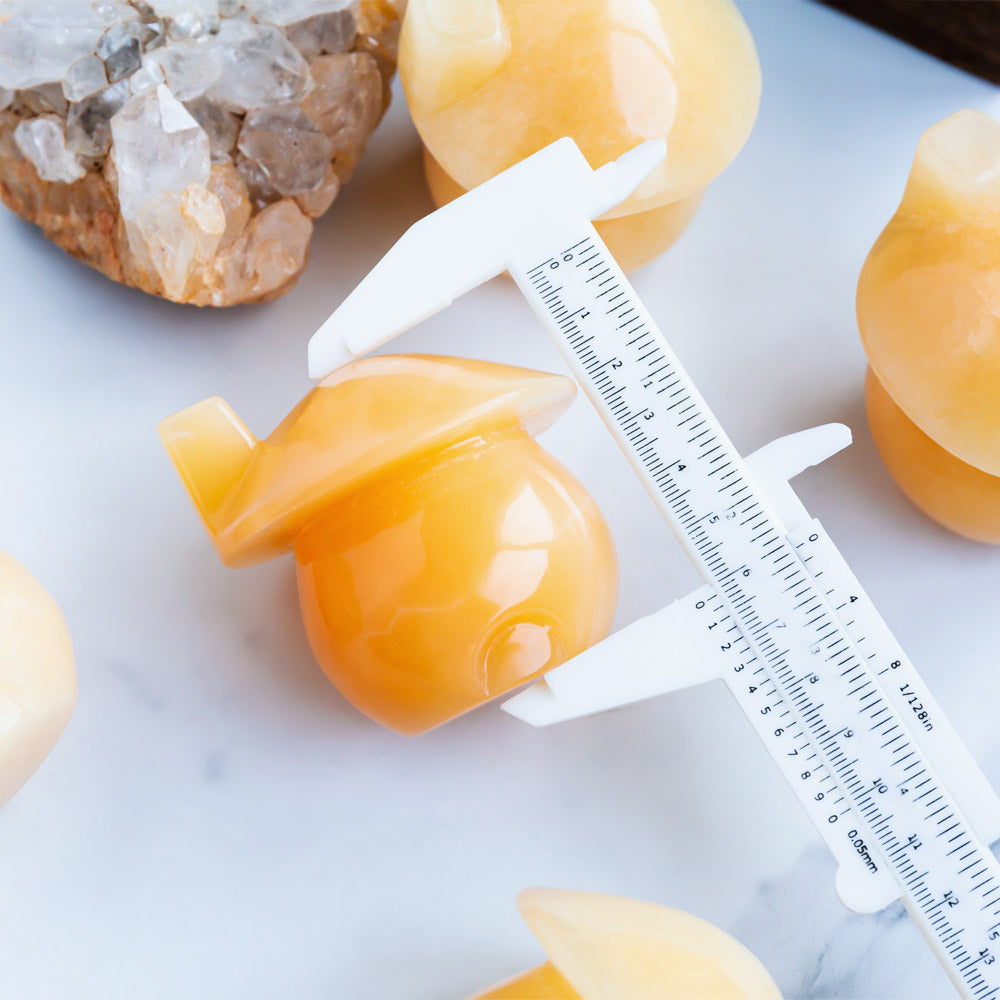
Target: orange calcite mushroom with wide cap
point(609, 948)
point(489, 82)
point(929, 315)
point(443, 557)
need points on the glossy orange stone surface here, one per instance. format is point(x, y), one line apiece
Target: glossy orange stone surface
point(443, 557)
point(952, 492)
point(929, 294)
point(489, 82)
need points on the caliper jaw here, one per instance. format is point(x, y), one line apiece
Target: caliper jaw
point(670, 649)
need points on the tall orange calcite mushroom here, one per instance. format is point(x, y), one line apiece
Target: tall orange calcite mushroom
point(609, 948)
point(929, 315)
point(489, 82)
point(443, 557)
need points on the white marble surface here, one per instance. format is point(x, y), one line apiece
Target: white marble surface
point(217, 822)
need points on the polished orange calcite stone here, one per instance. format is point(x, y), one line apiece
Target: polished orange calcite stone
point(952, 492)
point(929, 315)
point(540, 983)
point(929, 293)
point(443, 557)
point(489, 82)
point(604, 947)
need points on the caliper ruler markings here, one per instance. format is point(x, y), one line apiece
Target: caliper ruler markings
point(781, 619)
point(871, 774)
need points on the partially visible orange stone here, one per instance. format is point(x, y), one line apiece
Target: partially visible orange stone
point(604, 947)
point(952, 492)
point(37, 675)
point(541, 983)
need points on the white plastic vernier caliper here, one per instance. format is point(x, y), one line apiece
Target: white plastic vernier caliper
point(781, 618)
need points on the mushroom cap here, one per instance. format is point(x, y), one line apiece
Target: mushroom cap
point(490, 83)
point(370, 419)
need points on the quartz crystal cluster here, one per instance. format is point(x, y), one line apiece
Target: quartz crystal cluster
point(185, 146)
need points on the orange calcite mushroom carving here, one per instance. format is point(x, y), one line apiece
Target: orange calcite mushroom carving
point(443, 557)
point(929, 315)
point(489, 82)
point(603, 947)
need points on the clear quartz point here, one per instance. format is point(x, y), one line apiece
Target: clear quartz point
point(43, 141)
point(287, 146)
point(121, 51)
point(324, 34)
point(88, 125)
point(85, 77)
point(221, 126)
point(260, 66)
point(188, 67)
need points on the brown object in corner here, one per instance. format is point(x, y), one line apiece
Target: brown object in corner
point(963, 32)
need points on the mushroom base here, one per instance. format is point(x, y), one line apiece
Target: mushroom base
point(451, 581)
point(957, 495)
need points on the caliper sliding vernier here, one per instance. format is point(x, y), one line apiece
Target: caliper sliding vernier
point(781, 618)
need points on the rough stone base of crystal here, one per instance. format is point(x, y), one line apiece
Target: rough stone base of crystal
point(203, 192)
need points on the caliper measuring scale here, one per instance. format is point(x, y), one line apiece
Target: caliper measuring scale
point(781, 618)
